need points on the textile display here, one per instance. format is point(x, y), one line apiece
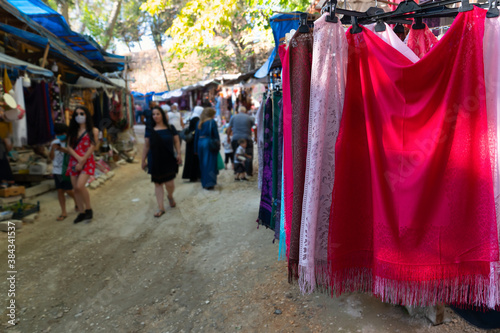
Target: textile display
point(48, 108)
point(390, 37)
point(413, 213)
point(279, 174)
point(491, 53)
point(266, 198)
point(421, 41)
point(287, 149)
point(282, 238)
point(259, 122)
point(37, 115)
point(328, 75)
point(301, 48)
point(20, 129)
point(277, 96)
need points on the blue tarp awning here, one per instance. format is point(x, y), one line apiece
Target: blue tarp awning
point(55, 23)
point(281, 25)
point(41, 42)
point(24, 66)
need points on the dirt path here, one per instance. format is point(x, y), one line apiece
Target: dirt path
point(202, 267)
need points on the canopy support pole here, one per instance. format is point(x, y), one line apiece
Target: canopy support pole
point(45, 54)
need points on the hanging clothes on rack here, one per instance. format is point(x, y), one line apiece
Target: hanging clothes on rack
point(20, 129)
point(421, 41)
point(277, 96)
point(287, 153)
point(36, 114)
point(413, 213)
point(98, 109)
point(301, 48)
point(390, 37)
point(260, 138)
point(279, 172)
point(48, 110)
point(266, 199)
point(329, 64)
point(491, 56)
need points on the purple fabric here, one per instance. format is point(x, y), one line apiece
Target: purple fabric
point(267, 176)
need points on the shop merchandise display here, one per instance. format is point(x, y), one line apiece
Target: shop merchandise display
point(390, 172)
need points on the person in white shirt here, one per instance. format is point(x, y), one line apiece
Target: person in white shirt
point(239, 159)
point(175, 117)
point(57, 154)
point(228, 151)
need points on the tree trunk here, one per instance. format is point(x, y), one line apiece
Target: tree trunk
point(238, 52)
point(64, 10)
point(159, 54)
point(111, 26)
point(78, 11)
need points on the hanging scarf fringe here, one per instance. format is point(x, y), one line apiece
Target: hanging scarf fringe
point(293, 270)
point(461, 290)
point(319, 274)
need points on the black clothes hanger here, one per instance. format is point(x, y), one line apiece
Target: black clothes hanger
point(399, 29)
point(409, 6)
point(492, 9)
point(419, 25)
point(356, 29)
point(380, 26)
point(331, 16)
point(303, 27)
point(466, 6)
point(406, 7)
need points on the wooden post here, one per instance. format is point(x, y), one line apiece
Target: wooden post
point(45, 54)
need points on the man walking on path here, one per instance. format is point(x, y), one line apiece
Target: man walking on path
point(240, 127)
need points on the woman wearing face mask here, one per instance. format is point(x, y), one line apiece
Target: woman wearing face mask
point(82, 142)
point(162, 160)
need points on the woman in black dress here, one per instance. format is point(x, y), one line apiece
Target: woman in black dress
point(162, 160)
point(191, 161)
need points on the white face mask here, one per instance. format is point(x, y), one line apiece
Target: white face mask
point(80, 119)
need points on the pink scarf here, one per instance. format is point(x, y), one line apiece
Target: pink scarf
point(329, 66)
point(287, 149)
point(421, 41)
point(413, 214)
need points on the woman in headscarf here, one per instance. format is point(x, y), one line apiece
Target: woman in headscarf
point(207, 131)
point(191, 162)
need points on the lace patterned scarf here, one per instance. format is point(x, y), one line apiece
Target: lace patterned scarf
point(329, 64)
point(421, 41)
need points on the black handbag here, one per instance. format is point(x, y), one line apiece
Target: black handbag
point(187, 135)
point(214, 144)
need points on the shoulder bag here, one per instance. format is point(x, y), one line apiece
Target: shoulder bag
point(187, 135)
point(214, 143)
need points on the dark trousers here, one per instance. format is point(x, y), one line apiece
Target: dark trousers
point(248, 151)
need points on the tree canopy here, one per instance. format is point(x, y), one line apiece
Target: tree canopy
point(227, 36)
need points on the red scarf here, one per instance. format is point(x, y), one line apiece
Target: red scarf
point(413, 216)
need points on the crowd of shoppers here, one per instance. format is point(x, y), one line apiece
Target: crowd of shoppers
point(202, 162)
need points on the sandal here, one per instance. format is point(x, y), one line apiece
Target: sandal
point(171, 201)
point(61, 217)
point(159, 213)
